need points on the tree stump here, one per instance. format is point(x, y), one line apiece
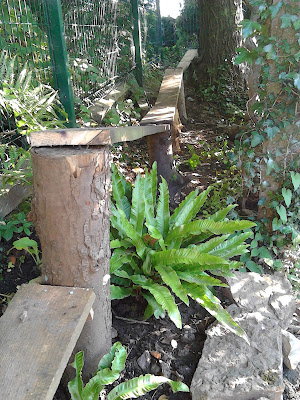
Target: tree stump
point(71, 215)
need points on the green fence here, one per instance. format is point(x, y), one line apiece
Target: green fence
point(82, 47)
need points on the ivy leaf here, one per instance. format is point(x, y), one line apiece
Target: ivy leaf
point(296, 24)
point(287, 195)
point(282, 213)
point(275, 8)
point(295, 179)
point(271, 53)
point(297, 81)
point(249, 27)
point(256, 139)
point(271, 164)
point(253, 267)
point(276, 224)
point(271, 131)
point(287, 19)
point(244, 55)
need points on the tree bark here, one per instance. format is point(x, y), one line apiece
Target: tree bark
point(219, 35)
point(71, 216)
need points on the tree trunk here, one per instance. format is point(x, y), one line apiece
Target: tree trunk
point(219, 35)
point(71, 216)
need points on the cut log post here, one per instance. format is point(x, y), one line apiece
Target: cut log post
point(71, 214)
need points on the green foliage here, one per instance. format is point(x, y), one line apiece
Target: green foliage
point(194, 160)
point(155, 251)
point(16, 223)
point(31, 106)
point(276, 117)
point(30, 246)
point(221, 91)
point(109, 369)
point(15, 166)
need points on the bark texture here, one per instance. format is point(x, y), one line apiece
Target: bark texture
point(70, 210)
point(219, 36)
point(161, 150)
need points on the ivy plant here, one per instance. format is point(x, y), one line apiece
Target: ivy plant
point(109, 369)
point(158, 254)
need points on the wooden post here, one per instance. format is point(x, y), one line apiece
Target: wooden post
point(71, 215)
point(160, 150)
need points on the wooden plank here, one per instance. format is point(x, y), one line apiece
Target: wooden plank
point(103, 105)
point(93, 137)
point(165, 107)
point(12, 196)
point(38, 333)
point(187, 59)
point(70, 137)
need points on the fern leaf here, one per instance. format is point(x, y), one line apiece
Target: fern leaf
point(157, 310)
point(137, 387)
point(119, 360)
point(220, 215)
point(171, 279)
point(199, 278)
point(183, 206)
point(216, 310)
point(207, 225)
point(118, 192)
point(185, 256)
point(150, 194)
point(211, 244)
point(155, 234)
point(93, 388)
point(76, 385)
point(162, 295)
point(162, 211)
point(232, 246)
point(132, 234)
point(108, 358)
point(119, 293)
point(137, 214)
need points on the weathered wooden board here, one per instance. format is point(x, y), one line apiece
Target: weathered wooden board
point(38, 333)
point(165, 107)
point(93, 137)
point(13, 197)
point(187, 59)
point(103, 105)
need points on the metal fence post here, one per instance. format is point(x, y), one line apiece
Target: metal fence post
point(159, 32)
point(137, 41)
point(59, 57)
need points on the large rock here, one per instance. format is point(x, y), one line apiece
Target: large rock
point(271, 295)
point(230, 369)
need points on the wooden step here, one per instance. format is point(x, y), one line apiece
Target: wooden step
point(38, 333)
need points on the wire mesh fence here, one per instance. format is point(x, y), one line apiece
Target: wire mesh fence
point(98, 37)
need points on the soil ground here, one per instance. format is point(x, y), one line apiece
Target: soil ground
point(157, 346)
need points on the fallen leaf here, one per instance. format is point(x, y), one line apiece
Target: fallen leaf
point(12, 259)
point(155, 354)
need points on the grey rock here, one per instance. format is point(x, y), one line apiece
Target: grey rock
point(114, 333)
point(291, 350)
point(269, 294)
point(165, 369)
point(155, 369)
point(144, 361)
point(230, 369)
